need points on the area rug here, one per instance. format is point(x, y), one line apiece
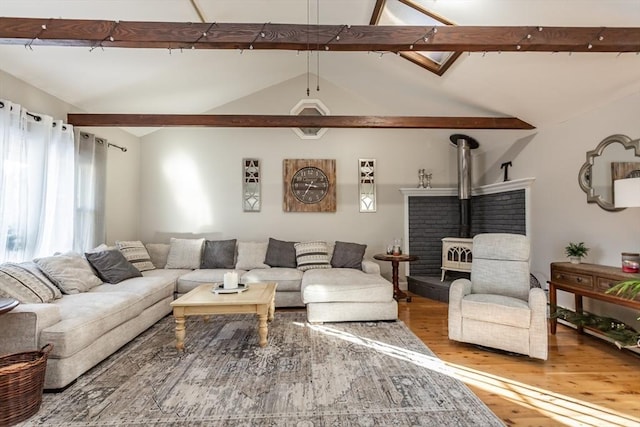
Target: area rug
point(336, 374)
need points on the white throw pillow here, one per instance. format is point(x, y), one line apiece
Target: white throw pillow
point(185, 253)
point(251, 255)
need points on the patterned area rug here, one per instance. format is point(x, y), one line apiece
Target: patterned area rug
point(338, 374)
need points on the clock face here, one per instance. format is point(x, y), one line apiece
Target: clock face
point(309, 185)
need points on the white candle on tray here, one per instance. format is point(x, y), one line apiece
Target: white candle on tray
point(231, 280)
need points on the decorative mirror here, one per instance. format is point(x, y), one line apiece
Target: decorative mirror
point(616, 157)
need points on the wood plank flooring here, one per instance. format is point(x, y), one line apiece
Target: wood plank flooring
point(585, 382)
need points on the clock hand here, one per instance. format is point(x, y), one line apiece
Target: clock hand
point(308, 188)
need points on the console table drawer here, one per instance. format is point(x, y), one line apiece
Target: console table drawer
point(603, 284)
point(573, 279)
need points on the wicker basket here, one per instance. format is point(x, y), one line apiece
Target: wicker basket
point(21, 384)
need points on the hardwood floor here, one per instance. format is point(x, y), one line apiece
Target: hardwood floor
point(586, 381)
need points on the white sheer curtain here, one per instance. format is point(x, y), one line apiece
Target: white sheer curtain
point(36, 184)
point(91, 161)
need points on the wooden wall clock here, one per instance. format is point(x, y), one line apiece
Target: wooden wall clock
point(309, 185)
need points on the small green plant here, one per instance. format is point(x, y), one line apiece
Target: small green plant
point(578, 250)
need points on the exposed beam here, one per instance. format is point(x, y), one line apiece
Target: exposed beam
point(282, 121)
point(177, 35)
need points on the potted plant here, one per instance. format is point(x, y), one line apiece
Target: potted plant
point(576, 251)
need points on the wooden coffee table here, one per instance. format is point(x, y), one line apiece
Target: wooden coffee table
point(201, 301)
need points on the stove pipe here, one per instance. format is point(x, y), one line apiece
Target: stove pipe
point(464, 144)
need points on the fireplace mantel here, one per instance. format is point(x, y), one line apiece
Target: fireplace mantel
point(501, 187)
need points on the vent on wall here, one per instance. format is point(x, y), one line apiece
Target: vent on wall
point(310, 107)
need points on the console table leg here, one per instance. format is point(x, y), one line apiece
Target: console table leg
point(579, 310)
point(553, 308)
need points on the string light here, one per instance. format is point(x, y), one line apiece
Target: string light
point(43, 28)
point(598, 37)
point(425, 37)
point(336, 36)
point(203, 35)
point(108, 37)
point(261, 34)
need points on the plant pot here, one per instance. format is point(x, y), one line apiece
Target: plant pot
point(574, 259)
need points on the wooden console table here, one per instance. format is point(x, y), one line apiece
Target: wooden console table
point(587, 280)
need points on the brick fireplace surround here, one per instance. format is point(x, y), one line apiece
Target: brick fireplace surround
point(433, 214)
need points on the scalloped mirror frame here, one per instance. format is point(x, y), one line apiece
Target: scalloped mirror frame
point(585, 174)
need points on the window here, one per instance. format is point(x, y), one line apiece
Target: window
point(411, 12)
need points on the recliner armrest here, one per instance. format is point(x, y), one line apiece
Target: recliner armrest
point(459, 288)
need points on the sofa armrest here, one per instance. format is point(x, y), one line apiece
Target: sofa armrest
point(21, 326)
point(459, 288)
point(370, 267)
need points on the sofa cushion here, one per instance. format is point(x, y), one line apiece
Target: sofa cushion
point(112, 266)
point(136, 253)
point(195, 278)
point(26, 283)
point(184, 253)
point(280, 254)
point(151, 289)
point(86, 316)
point(498, 309)
point(251, 255)
point(288, 279)
point(219, 254)
point(158, 252)
point(70, 272)
point(344, 285)
point(311, 255)
point(348, 255)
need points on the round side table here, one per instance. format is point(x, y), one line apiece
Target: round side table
point(395, 263)
point(8, 304)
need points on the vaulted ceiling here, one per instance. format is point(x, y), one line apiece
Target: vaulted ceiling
point(541, 88)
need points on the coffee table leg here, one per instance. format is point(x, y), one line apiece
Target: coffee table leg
point(272, 309)
point(262, 328)
point(180, 333)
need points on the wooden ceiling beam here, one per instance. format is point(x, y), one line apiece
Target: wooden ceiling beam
point(282, 121)
point(302, 37)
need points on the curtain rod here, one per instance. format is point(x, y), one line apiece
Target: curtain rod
point(121, 148)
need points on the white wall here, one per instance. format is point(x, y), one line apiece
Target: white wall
point(122, 168)
point(560, 212)
point(191, 178)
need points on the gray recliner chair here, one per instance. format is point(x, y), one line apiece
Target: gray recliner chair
point(497, 308)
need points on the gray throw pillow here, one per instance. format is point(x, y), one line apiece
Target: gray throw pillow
point(112, 266)
point(348, 255)
point(219, 254)
point(281, 254)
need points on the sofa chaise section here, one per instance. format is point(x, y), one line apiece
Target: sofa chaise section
point(346, 294)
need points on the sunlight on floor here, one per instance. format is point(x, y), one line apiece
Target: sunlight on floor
point(563, 409)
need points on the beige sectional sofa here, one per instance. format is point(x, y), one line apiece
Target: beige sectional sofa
point(87, 326)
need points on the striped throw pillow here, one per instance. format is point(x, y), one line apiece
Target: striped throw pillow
point(310, 255)
point(26, 283)
point(136, 253)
